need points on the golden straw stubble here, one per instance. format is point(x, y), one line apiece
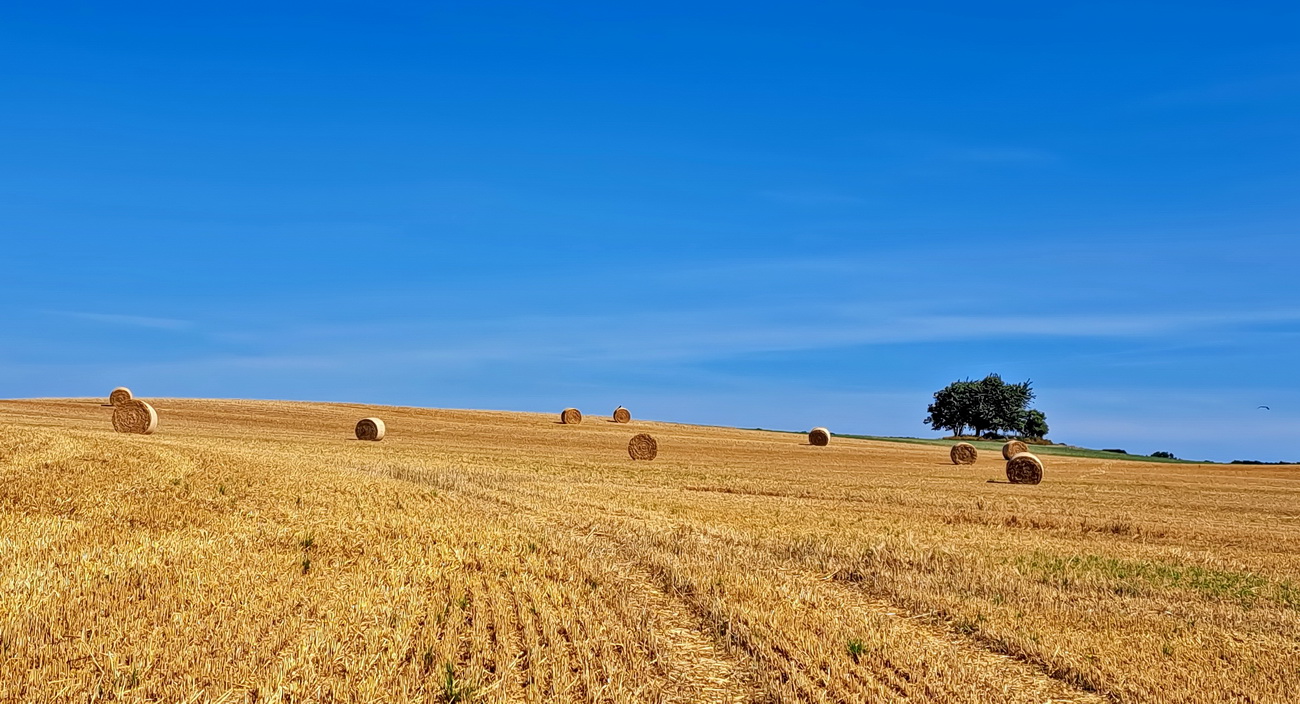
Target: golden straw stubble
point(642, 447)
point(119, 396)
point(134, 416)
point(1012, 448)
point(370, 429)
point(1024, 468)
point(963, 453)
point(820, 437)
point(622, 415)
point(571, 416)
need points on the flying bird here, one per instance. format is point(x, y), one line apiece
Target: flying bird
point(1263, 407)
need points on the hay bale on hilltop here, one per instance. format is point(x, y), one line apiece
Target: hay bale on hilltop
point(1024, 468)
point(820, 437)
point(1012, 448)
point(622, 415)
point(372, 429)
point(963, 453)
point(133, 416)
point(642, 447)
point(570, 416)
point(118, 396)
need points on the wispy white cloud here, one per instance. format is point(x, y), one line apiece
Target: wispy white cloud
point(139, 321)
point(696, 335)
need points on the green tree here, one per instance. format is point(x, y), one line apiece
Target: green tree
point(987, 405)
point(953, 407)
point(1035, 425)
point(1003, 406)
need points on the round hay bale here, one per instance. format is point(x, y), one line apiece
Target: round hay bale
point(133, 416)
point(820, 437)
point(963, 453)
point(119, 396)
point(570, 416)
point(370, 429)
point(1012, 448)
point(622, 415)
point(642, 447)
point(1024, 468)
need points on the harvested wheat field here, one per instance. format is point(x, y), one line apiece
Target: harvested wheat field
point(255, 552)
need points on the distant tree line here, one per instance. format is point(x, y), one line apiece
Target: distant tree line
point(1259, 462)
point(989, 406)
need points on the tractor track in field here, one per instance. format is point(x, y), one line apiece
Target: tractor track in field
point(695, 630)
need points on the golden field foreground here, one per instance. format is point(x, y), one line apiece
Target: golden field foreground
point(255, 552)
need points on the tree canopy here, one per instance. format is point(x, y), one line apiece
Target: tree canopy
point(1035, 425)
point(987, 405)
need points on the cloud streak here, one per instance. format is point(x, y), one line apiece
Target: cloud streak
point(138, 321)
point(687, 336)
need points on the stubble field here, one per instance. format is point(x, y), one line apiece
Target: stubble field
point(254, 552)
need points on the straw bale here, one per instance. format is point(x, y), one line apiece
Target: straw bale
point(1024, 468)
point(963, 453)
point(642, 447)
point(135, 416)
point(370, 429)
point(571, 416)
point(622, 415)
point(820, 437)
point(1012, 448)
point(119, 395)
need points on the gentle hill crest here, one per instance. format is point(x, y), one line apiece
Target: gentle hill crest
point(257, 551)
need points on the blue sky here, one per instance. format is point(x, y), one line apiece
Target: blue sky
point(776, 215)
